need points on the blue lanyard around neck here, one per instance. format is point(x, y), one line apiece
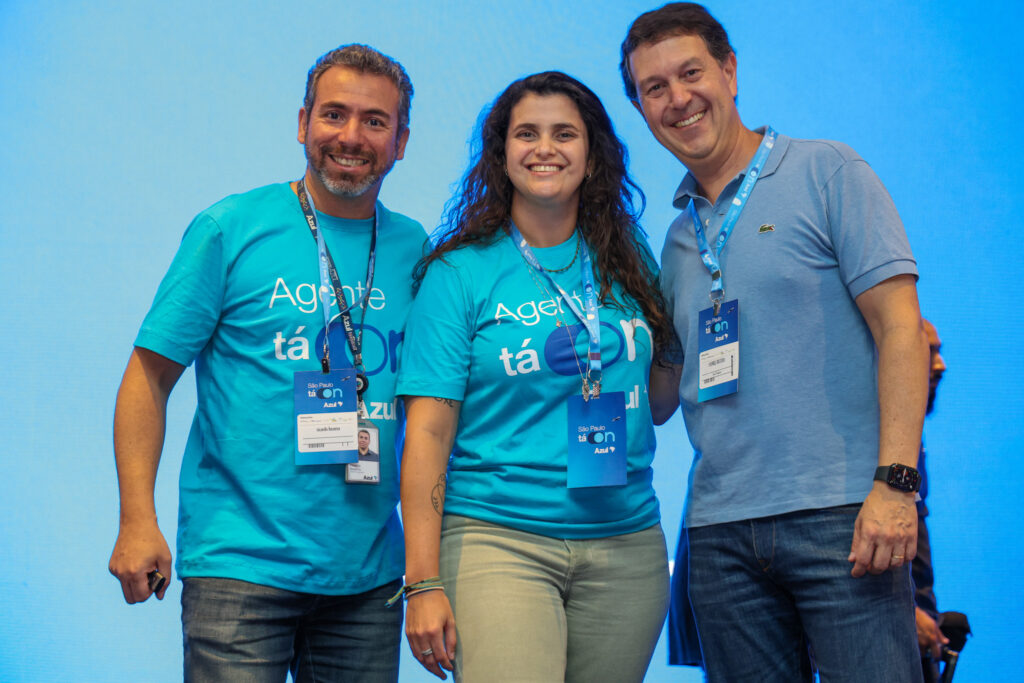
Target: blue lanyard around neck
point(589, 319)
point(711, 257)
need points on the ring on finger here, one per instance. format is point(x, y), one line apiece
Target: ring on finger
point(426, 653)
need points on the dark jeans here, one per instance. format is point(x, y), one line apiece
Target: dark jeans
point(237, 631)
point(762, 588)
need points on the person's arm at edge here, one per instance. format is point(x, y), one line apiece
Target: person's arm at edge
point(430, 431)
point(887, 522)
point(139, 422)
point(663, 390)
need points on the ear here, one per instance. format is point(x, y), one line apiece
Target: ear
point(729, 68)
point(636, 105)
point(403, 138)
point(303, 124)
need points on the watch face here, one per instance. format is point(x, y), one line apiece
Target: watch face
point(903, 478)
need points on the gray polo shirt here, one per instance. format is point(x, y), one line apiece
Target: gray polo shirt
point(801, 432)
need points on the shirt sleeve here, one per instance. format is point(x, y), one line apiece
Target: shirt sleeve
point(866, 231)
point(437, 347)
point(187, 305)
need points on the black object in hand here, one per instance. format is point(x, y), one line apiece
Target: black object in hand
point(156, 580)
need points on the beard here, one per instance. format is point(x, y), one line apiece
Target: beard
point(931, 399)
point(342, 184)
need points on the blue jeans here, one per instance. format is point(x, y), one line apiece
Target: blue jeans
point(535, 609)
point(238, 631)
point(765, 591)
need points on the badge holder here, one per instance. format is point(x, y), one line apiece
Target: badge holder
point(367, 469)
point(326, 417)
point(719, 360)
point(597, 440)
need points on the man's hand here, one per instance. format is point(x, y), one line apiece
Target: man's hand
point(885, 534)
point(139, 419)
point(929, 637)
point(139, 550)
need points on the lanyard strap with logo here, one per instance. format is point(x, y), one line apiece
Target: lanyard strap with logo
point(328, 429)
point(597, 441)
point(718, 365)
point(711, 257)
point(329, 273)
point(589, 319)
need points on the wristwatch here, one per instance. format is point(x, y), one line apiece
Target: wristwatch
point(900, 477)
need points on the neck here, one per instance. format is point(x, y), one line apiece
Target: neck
point(713, 176)
point(327, 202)
point(544, 226)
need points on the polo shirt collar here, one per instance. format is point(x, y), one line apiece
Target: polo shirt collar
point(688, 188)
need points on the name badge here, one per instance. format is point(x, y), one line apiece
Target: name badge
point(326, 418)
point(597, 440)
point(367, 469)
point(718, 368)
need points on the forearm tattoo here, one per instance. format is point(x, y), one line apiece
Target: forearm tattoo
point(447, 401)
point(437, 494)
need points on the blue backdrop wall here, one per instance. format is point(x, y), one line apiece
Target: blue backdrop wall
point(121, 120)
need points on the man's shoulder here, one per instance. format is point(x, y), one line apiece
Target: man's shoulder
point(398, 224)
point(829, 152)
point(257, 200)
point(804, 164)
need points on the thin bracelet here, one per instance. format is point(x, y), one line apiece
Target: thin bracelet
point(431, 584)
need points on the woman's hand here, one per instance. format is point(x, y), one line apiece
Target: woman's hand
point(429, 433)
point(430, 628)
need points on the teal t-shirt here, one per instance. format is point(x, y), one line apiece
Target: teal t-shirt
point(240, 300)
point(484, 331)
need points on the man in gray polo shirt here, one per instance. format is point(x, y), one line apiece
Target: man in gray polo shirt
point(804, 375)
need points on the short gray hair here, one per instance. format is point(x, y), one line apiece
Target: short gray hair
point(367, 60)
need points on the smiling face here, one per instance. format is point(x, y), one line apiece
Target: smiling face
point(352, 140)
point(687, 99)
point(364, 441)
point(546, 151)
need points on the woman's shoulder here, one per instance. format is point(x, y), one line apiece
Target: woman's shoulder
point(474, 256)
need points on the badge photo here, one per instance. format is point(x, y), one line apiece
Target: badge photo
point(367, 469)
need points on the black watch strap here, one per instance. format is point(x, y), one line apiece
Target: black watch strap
point(900, 477)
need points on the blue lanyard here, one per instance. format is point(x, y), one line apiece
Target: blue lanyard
point(709, 257)
point(329, 274)
point(590, 319)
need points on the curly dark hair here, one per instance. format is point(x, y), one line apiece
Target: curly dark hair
point(481, 211)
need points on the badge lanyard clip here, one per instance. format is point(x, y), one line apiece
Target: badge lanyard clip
point(711, 257)
point(329, 274)
point(589, 318)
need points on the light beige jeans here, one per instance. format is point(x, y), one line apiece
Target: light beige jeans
point(534, 609)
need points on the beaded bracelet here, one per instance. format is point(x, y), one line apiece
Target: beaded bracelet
point(431, 584)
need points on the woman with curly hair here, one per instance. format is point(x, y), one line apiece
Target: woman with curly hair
point(528, 358)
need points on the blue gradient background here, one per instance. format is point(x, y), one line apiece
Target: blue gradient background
point(123, 120)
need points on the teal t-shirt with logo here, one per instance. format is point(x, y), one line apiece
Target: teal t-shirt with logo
point(488, 330)
point(240, 300)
